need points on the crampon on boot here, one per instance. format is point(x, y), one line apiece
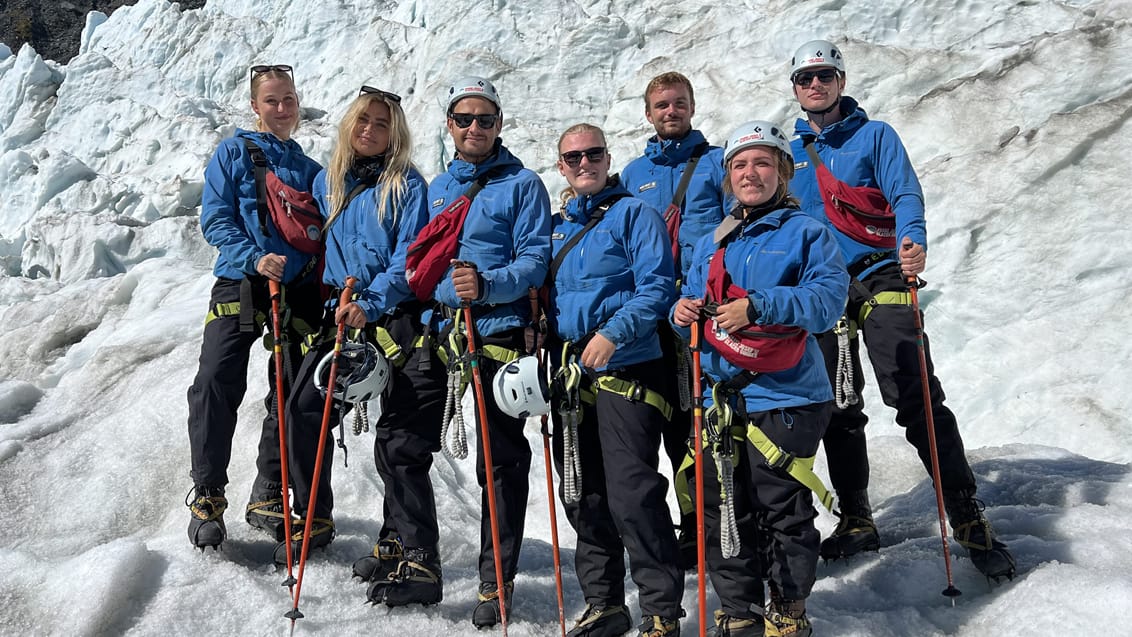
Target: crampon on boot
point(599, 620)
point(856, 532)
point(786, 618)
point(657, 626)
point(416, 580)
point(206, 524)
point(728, 626)
point(973, 532)
point(265, 508)
point(376, 566)
point(486, 612)
point(322, 532)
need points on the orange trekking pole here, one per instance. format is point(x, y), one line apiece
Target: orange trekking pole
point(328, 409)
point(698, 429)
point(277, 333)
point(914, 284)
point(532, 293)
point(485, 440)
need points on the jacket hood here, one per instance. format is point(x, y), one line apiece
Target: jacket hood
point(671, 152)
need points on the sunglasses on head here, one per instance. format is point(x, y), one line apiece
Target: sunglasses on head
point(260, 69)
point(573, 158)
point(464, 120)
point(825, 77)
point(369, 90)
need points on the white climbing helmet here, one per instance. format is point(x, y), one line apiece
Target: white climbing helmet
point(473, 86)
point(756, 133)
point(520, 389)
point(363, 373)
point(814, 54)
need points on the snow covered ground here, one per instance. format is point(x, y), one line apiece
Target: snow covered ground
point(1016, 116)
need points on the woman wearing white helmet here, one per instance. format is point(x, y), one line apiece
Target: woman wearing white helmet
point(768, 278)
point(611, 280)
point(374, 203)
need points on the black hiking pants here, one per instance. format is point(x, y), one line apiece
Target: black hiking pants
point(889, 333)
point(774, 514)
point(222, 379)
point(623, 500)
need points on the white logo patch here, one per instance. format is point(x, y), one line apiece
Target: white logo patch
point(438, 202)
point(648, 186)
point(799, 165)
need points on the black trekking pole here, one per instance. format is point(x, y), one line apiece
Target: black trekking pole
point(914, 284)
point(277, 332)
point(327, 410)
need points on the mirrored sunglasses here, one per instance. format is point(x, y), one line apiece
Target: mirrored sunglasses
point(805, 78)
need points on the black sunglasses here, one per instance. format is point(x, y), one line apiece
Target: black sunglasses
point(825, 77)
point(369, 90)
point(260, 69)
point(464, 120)
point(573, 158)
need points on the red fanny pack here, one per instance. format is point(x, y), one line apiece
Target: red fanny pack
point(861, 212)
point(430, 255)
point(295, 215)
point(758, 348)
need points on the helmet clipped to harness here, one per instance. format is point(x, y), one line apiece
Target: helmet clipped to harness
point(363, 373)
point(520, 389)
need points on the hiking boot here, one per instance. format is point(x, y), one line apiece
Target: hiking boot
point(602, 621)
point(322, 532)
point(206, 524)
point(786, 618)
point(416, 580)
point(378, 565)
point(972, 530)
point(728, 626)
point(265, 508)
point(486, 612)
point(856, 532)
point(657, 626)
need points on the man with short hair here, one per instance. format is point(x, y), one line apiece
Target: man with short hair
point(504, 250)
point(690, 213)
point(864, 153)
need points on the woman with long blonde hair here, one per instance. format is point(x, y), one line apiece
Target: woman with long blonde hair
point(374, 202)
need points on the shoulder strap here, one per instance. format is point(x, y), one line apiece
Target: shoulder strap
point(259, 165)
point(369, 182)
point(815, 159)
point(598, 215)
point(686, 178)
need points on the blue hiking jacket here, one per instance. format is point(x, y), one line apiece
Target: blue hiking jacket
point(228, 215)
point(373, 251)
point(618, 279)
point(655, 175)
point(506, 234)
point(861, 152)
point(794, 275)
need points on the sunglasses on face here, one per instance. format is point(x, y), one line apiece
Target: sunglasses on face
point(573, 158)
point(369, 90)
point(464, 120)
point(825, 77)
point(260, 69)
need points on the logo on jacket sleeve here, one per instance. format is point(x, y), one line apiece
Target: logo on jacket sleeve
point(648, 186)
point(557, 236)
point(436, 203)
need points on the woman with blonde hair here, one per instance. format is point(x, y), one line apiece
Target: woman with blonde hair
point(610, 282)
point(251, 252)
point(374, 201)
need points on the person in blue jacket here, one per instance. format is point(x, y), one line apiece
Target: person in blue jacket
point(611, 287)
point(865, 152)
point(374, 201)
point(504, 250)
point(240, 307)
point(670, 104)
point(792, 276)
